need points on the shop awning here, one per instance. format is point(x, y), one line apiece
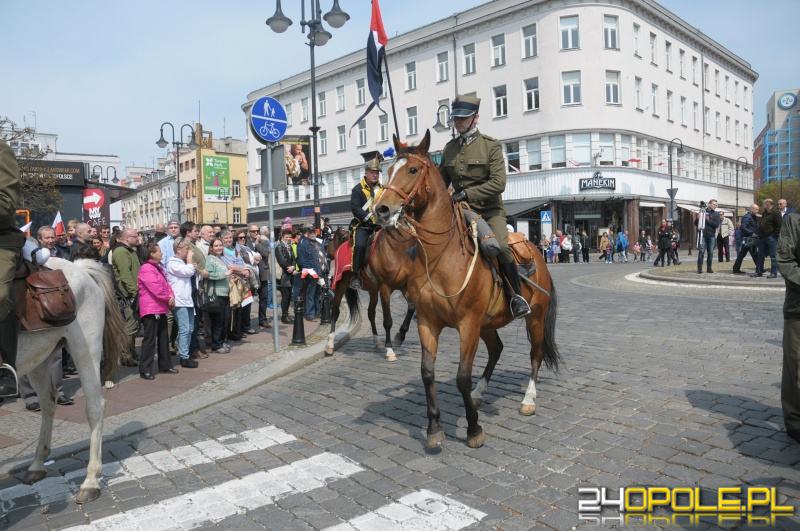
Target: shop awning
point(651, 204)
point(696, 209)
point(515, 209)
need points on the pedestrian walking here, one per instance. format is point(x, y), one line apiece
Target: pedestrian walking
point(664, 243)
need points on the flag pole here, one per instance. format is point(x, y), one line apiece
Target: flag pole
point(391, 94)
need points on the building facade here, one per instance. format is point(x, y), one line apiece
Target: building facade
point(588, 100)
point(778, 146)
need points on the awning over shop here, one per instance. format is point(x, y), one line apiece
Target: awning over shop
point(651, 204)
point(696, 209)
point(515, 209)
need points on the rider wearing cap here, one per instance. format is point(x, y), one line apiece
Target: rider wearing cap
point(362, 198)
point(473, 163)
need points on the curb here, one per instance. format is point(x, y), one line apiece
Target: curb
point(702, 282)
point(209, 393)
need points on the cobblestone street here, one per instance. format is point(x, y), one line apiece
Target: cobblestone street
point(662, 385)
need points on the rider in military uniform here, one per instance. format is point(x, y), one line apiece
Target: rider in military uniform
point(11, 241)
point(473, 163)
point(362, 198)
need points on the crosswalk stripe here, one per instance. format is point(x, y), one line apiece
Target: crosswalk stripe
point(52, 489)
point(214, 504)
point(421, 510)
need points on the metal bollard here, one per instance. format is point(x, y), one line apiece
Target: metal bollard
point(299, 330)
point(326, 299)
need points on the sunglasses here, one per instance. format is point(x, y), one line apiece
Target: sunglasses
point(242, 238)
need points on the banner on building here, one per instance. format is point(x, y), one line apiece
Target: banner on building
point(216, 179)
point(297, 155)
point(65, 173)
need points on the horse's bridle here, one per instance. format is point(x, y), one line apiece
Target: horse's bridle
point(408, 198)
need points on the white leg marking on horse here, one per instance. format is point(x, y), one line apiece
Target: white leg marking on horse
point(530, 394)
point(477, 393)
point(390, 355)
point(238, 496)
point(331, 337)
point(419, 510)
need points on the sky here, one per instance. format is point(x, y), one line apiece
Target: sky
point(104, 75)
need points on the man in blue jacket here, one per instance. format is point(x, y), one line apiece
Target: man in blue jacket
point(310, 271)
point(749, 229)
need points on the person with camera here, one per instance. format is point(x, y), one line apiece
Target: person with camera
point(749, 235)
point(707, 224)
point(768, 231)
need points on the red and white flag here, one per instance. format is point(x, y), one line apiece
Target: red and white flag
point(58, 224)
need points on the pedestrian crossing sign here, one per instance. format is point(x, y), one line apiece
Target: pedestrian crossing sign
point(546, 216)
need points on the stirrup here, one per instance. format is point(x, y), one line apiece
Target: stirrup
point(8, 367)
point(522, 311)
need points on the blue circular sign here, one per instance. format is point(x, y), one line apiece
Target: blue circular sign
point(787, 101)
point(268, 119)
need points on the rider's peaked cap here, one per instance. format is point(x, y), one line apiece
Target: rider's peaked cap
point(372, 160)
point(465, 106)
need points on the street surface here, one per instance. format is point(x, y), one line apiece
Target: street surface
point(660, 385)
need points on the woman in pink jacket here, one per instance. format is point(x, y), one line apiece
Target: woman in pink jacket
point(155, 301)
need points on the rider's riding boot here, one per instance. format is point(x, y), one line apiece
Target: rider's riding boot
point(9, 332)
point(519, 306)
point(355, 280)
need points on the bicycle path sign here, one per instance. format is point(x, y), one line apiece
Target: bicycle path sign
point(268, 120)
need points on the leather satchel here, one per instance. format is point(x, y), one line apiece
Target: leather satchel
point(522, 248)
point(44, 300)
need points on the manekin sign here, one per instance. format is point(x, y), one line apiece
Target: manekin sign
point(597, 182)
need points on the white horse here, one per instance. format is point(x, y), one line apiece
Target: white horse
point(97, 334)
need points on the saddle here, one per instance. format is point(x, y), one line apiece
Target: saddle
point(42, 297)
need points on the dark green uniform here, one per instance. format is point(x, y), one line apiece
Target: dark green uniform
point(11, 241)
point(789, 265)
point(477, 166)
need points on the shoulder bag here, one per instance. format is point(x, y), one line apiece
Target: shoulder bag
point(208, 301)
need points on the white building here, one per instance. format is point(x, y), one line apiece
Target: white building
point(573, 90)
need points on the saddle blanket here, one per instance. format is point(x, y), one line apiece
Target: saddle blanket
point(344, 262)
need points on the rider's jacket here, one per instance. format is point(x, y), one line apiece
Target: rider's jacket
point(362, 197)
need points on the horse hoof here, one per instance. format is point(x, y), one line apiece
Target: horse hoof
point(87, 495)
point(391, 356)
point(32, 476)
point(435, 440)
point(476, 441)
point(527, 409)
point(328, 351)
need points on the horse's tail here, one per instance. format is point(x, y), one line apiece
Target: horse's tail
point(551, 354)
point(115, 335)
point(351, 295)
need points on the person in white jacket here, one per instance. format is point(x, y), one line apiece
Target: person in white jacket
point(180, 270)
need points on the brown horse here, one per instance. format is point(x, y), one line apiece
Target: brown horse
point(380, 283)
point(451, 288)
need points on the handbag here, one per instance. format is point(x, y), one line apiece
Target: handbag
point(209, 302)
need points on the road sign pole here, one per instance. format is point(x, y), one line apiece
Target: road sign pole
point(266, 162)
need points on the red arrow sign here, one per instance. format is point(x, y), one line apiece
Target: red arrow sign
point(93, 198)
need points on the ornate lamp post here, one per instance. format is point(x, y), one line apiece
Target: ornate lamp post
point(443, 120)
point(671, 188)
point(317, 36)
point(177, 144)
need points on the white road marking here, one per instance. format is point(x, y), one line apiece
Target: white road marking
point(52, 489)
point(421, 510)
point(634, 277)
point(214, 504)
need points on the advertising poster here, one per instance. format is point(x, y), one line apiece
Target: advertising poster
point(216, 179)
point(95, 207)
point(297, 154)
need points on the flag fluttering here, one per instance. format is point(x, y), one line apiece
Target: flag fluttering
point(58, 224)
point(376, 42)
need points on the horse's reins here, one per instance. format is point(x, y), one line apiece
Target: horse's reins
point(411, 225)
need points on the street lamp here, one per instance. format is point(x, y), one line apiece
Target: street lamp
point(177, 144)
point(443, 120)
point(317, 36)
point(115, 180)
point(96, 174)
point(736, 214)
point(672, 190)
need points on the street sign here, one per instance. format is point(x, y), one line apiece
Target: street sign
point(546, 225)
point(96, 209)
point(268, 120)
point(546, 216)
point(672, 192)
